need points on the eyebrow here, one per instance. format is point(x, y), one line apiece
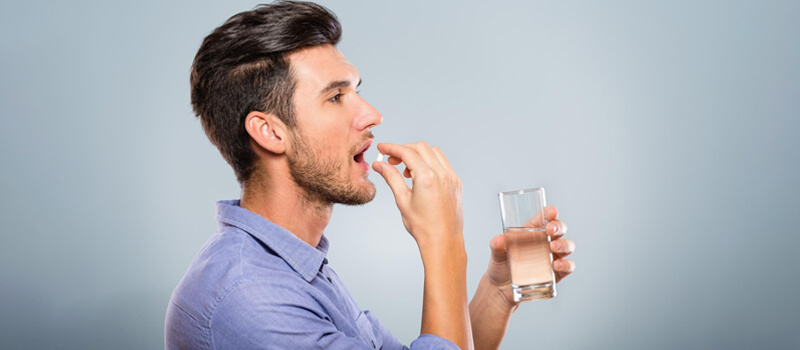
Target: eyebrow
point(337, 84)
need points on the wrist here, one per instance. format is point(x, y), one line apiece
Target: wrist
point(499, 297)
point(450, 257)
point(442, 244)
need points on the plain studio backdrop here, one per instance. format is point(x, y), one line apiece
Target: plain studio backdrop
point(664, 132)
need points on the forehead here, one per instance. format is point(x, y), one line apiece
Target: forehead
point(315, 67)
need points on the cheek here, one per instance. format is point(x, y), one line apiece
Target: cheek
point(331, 136)
point(332, 147)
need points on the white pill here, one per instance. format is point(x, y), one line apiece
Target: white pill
point(380, 157)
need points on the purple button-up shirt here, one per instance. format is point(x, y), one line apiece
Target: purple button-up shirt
point(255, 285)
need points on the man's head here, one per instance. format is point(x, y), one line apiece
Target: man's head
point(270, 86)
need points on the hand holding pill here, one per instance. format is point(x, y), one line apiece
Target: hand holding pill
point(431, 208)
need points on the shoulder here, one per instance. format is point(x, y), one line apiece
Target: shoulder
point(230, 261)
point(268, 296)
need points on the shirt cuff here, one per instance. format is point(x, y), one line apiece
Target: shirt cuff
point(432, 342)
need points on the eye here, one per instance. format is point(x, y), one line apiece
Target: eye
point(335, 98)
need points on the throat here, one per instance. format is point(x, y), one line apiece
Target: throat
point(290, 207)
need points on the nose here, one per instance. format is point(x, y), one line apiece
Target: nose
point(368, 116)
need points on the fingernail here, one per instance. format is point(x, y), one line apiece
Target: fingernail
point(555, 228)
point(378, 168)
point(556, 245)
point(559, 265)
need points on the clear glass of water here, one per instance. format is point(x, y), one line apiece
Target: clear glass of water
point(527, 244)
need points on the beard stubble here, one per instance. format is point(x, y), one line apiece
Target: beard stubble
point(323, 180)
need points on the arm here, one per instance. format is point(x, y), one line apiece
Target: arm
point(275, 314)
point(490, 312)
point(444, 302)
point(283, 312)
point(432, 214)
point(491, 308)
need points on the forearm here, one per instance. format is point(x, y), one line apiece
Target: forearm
point(490, 313)
point(445, 310)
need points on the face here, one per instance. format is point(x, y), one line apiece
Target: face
point(333, 128)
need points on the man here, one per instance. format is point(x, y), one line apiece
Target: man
point(279, 101)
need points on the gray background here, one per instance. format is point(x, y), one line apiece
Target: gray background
point(665, 132)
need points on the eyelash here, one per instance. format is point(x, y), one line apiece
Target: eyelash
point(337, 97)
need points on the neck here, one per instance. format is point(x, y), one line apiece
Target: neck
point(281, 201)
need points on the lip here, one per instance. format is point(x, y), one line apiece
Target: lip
point(359, 157)
point(364, 148)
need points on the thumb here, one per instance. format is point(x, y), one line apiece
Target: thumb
point(393, 179)
point(498, 247)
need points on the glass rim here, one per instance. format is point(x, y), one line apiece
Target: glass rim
point(516, 192)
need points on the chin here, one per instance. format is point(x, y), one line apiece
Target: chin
point(360, 196)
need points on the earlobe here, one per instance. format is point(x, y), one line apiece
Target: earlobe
point(267, 130)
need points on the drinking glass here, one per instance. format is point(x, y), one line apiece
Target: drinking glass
point(527, 244)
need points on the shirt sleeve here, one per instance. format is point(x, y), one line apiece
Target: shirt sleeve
point(256, 315)
point(278, 316)
point(430, 341)
point(423, 342)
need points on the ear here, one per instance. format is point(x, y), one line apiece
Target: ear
point(267, 130)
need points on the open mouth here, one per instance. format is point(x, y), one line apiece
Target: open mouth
point(359, 157)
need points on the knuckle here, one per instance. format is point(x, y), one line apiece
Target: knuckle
point(445, 180)
point(427, 172)
point(425, 182)
point(426, 177)
point(569, 246)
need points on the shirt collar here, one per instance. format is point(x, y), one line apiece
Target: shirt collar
point(304, 259)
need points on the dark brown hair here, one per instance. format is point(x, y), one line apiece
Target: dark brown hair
point(242, 67)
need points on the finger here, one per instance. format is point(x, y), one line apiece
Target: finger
point(562, 247)
point(426, 152)
point(397, 161)
point(562, 268)
point(556, 229)
point(443, 160)
point(407, 155)
point(395, 182)
point(498, 247)
point(551, 213)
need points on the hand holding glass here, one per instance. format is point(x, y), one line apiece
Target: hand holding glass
point(530, 260)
